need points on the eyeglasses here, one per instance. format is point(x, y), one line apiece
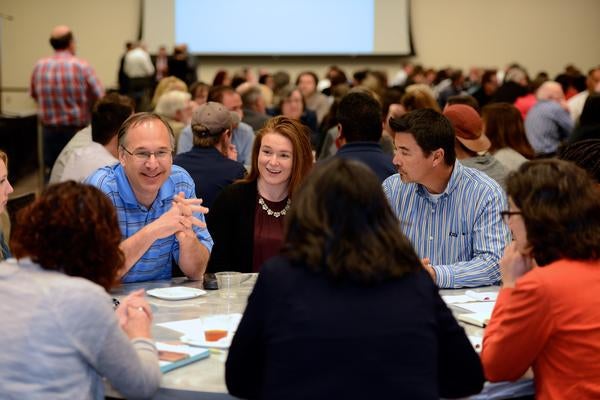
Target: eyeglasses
point(506, 215)
point(144, 155)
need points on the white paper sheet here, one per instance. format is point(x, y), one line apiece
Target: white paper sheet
point(187, 326)
point(484, 308)
point(470, 296)
point(457, 299)
point(482, 296)
point(476, 341)
point(193, 327)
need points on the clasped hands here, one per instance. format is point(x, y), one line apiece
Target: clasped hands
point(180, 219)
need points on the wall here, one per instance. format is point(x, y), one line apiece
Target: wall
point(540, 34)
point(100, 28)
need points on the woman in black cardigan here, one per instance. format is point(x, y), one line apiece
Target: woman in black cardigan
point(246, 219)
point(347, 311)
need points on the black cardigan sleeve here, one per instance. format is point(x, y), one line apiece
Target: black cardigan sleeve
point(231, 225)
point(245, 366)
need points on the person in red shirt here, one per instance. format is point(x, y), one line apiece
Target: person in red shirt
point(65, 88)
point(547, 315)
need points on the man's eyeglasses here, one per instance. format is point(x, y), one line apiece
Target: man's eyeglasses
point(144, 155)
point(506, 215)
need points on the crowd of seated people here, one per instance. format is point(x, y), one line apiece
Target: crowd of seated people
point(437, 179)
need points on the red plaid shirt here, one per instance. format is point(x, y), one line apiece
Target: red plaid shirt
point(65, 88)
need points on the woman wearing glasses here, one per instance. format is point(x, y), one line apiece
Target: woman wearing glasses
point(548, 310)
point(60, 335)
point(246, 219)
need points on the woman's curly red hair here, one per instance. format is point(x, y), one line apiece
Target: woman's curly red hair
point(71, 228)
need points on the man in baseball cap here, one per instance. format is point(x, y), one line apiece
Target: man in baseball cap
point(471, 144)
point(207, 162)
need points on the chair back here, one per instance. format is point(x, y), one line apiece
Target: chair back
point(14, 204)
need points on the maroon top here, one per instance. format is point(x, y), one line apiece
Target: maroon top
point(268, 232)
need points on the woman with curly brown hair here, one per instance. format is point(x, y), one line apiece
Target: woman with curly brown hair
point(347, 311)
point(548, 310)
point(60, 334)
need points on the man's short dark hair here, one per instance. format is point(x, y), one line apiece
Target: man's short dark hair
point(430, 129)
point(359, 114)
point(61, 42)
point(107, 116)
point(216, 93)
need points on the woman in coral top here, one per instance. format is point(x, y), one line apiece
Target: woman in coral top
point(548, 311)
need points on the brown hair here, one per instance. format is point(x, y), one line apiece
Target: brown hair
point(419, 96)
point(138, 119)
point(71, 228)
point(4, 158)
point(560, 208)
point(341, 223)
point(299, 135)
point(504, 127)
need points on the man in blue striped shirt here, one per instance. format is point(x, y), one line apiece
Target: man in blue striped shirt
point(450, 213)
point(160, 218)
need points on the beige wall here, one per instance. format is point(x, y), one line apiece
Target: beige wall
point(101, 28)
point(540, 34)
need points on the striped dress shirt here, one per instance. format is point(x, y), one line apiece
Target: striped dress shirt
point(65, 88)
point(157, 261)
point(461, 231)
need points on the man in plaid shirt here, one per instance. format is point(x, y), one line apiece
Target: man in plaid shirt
point(65, 88)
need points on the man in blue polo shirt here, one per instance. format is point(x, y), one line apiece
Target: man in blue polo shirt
point(160, 218)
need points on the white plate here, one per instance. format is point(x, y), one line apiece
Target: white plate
point(176, 293)
point(223, 343)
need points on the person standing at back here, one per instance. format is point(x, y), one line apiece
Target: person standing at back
point(65, 88)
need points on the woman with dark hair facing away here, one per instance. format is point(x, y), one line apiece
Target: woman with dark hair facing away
point(246, 218)
point(60, 335)
point(347, 312)
point(503, 125)
point(547, 315)
point(5, 190)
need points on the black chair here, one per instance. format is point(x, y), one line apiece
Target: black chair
point(14, 204)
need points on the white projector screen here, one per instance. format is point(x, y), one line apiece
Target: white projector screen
point(280, 27)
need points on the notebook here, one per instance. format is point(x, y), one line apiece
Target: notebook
point(173, 356)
